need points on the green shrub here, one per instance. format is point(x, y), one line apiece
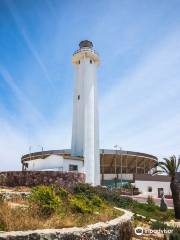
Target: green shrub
point(81, 204)
point(137, 217)
point(2, 223)
point(89, 193)
point(96, 201)
point(85, 189)
point(44, 199)
point(152, 212)
point(160, 225)
point(175, 235)
point(2, 227)
point(150, 203)
point(114, 198)
point(1, 198)
point(62, 193)
point(128, 185)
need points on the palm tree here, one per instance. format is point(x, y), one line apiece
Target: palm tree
point(170, 166)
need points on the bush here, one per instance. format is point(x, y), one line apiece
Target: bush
point(175, 235)
point(160, 225)
point(1, 198)
point(2, 223)
point(150, 201)
point(84, 189)
point(151, 204)
point(81, 204)
point(152, 212)
point(90, 193)
point(128, 186)
point(96, 201)
point(105, 194)
point(2, 206)
point(2, 226)
point(62, 193)
point(114, 198)
point(44, 199)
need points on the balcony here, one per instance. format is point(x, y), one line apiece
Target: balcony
point(85, 49)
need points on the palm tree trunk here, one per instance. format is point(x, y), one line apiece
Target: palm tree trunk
point(175, 189)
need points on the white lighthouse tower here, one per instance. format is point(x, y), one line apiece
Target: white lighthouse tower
point(85, 131)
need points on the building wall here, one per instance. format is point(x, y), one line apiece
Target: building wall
point(128, 177)
point(55, 163)
point(143, 187)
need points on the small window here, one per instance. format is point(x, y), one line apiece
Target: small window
point(79, 62)
point(90, 61)
point(78, 97)
point(149, 189)
point(73, 167)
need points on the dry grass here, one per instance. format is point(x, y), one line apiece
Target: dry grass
point(19, 218)
point(15, 189)
point(48, 207)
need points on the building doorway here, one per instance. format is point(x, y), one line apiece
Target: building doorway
point(160, 192)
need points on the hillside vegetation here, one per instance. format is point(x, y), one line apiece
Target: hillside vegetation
point(54, 207)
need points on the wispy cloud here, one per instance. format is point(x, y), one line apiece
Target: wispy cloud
point(145, 100)
point(28, 110)
point(12, 145)
point(16, 133)
point(14, 142)
point(27, 39)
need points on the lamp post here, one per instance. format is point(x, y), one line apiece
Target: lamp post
point(120, 150)
point(41, 150)
point(121, 164)
point(116, 147)
point(30, 151)
point(115, 166)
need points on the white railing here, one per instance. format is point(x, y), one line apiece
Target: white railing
point(85, 49)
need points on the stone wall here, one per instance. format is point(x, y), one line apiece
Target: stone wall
point(117, 229)
point(28, 178)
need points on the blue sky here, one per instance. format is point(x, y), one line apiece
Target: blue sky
point(139, 76)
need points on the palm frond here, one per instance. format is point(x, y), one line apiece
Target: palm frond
point(169, 165)
point(156, 172)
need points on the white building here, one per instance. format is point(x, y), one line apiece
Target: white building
point(57, 163)
point(154, 186)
